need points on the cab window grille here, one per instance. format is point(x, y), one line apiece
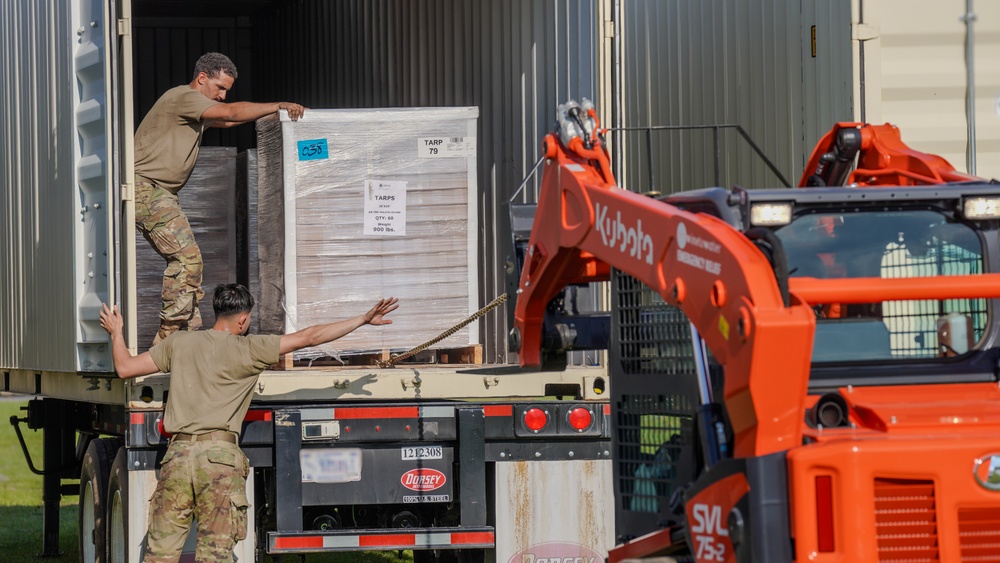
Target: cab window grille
point(655, 395)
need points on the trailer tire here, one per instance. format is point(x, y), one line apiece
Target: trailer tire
point(117, 510)
point(94, 474)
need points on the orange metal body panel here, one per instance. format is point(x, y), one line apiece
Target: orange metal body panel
point(884, 160)
point(874, 290)
point(931, 434)
point(707, 514)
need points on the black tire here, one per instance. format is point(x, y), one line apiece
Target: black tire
point(116, 539)
point(94, 474)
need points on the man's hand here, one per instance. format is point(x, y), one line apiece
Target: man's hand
point(321, 334)
point(295, 111)
point(111, 319)
point(382, 308)
point(126, 365)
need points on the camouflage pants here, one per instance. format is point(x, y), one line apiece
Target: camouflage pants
point(205, 481)
point(159, 218)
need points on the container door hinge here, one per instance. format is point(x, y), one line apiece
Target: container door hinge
point(609, 29)
point(124, 27)
point(128, 192)
point(863, 32)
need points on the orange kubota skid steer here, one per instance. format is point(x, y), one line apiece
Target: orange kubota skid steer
point(796, 374)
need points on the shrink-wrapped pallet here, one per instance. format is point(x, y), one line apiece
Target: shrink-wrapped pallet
point(355, 205)
point(208, 202)
point(247, 271)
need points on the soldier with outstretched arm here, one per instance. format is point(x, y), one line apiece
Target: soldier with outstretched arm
point(212, 377)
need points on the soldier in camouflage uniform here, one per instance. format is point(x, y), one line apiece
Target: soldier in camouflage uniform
point(212, 374)
point(166, 150)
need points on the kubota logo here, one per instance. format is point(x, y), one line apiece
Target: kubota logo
point(628, 239)
point(423, 479)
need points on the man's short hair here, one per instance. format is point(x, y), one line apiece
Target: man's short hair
point(231, 299)
point(214, 63)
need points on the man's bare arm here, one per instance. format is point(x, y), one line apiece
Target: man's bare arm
point(321, 334)
point(127, 366)
point(228, 115)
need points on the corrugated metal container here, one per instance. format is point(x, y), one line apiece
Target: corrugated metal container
point(915, 76)
point(514, 60)
point(787, 71)
point(749, 63)
point(55, 177)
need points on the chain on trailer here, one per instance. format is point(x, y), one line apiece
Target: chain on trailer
point(391, 362)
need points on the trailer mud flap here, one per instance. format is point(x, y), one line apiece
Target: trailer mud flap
point(554, 511)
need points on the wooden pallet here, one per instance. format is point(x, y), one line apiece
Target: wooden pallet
point(472, 354)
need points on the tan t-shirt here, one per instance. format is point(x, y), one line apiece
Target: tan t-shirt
point(168, 139)
point(212, 374)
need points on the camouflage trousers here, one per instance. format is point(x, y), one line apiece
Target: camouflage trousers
point(159, 218)
point(203, 481)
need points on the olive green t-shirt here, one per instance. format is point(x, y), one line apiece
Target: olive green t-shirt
point(168, 139)
point(212, 374)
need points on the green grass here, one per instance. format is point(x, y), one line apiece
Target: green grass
point(21, 505)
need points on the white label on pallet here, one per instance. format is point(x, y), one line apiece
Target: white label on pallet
point(385, 208)
point(446, 147)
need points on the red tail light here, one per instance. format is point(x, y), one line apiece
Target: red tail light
point(161, 430)
point(580, 418)
point(824, 513)
point(535, 419)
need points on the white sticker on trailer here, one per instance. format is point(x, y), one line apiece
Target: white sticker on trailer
point(413, 499)
point(421, 452)
point(339, 465)
point(446, 147)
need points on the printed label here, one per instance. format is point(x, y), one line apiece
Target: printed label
point(385, 208)
point(446, 147)
point(314, 149)
point(340, 465)
point(627, 238)
point(415, 499)
point(423, 479)
point(708, 531)
point(694, 260)
point(422, 452)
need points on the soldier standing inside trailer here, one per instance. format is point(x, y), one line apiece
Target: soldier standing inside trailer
point(212, 374)
point(166, 149)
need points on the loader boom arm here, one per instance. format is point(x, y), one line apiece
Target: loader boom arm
point(712, 272)
point(719, 278)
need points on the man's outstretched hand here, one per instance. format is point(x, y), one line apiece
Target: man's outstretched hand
point(111, 319)
point(382, 308)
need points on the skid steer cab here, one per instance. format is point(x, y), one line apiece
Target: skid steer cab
point(798, 374)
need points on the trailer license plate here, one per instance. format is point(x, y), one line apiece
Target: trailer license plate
point(423, 452)
point(338, 465)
